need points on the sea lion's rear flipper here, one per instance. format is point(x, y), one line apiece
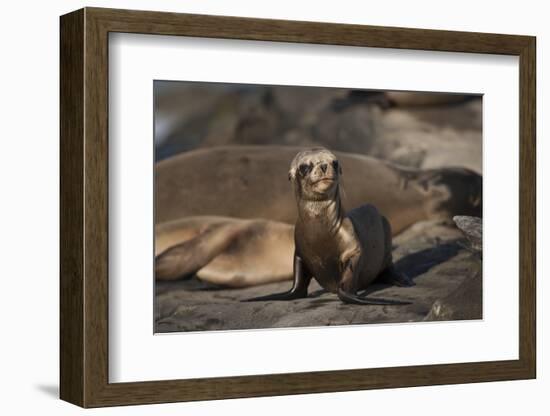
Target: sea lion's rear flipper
point(192, 255)
point(347, 297)
point(392, 276)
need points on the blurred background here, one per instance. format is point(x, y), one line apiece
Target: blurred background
point(414, 129)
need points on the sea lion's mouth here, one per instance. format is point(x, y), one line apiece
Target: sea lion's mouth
point(324, 180)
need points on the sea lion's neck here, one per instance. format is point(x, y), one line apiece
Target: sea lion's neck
point(324, 214)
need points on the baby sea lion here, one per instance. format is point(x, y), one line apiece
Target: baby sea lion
point(344, 252)
point(246, 182)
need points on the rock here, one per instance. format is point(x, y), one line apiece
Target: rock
point(466, 301)
point(462, 304)
point(472, 229)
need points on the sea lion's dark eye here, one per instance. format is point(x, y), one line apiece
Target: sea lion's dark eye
point(304, 169)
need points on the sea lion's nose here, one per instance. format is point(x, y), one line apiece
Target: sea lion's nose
point(324, 167)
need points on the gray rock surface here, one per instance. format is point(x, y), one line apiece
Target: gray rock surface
point(471, 227)
point(432, 253)
point(465, 302)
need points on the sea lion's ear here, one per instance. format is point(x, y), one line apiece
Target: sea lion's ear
point(291, 174)
point(337, 166)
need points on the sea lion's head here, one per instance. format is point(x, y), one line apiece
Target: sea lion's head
point(315, 174)
point(451, 191)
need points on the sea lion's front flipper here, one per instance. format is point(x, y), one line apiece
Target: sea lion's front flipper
point(299, 290)
point(290, 295)
point(347, 297)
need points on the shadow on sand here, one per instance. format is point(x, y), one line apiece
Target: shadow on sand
point(418, 263)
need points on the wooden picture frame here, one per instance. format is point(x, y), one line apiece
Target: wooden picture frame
point(84, 207)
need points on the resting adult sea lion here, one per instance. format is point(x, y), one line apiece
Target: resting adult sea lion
point(224, 251)
point(246, 182)
point(344, 252)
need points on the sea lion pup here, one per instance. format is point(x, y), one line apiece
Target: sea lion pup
point(344, 252)
point(245, 182)
point(224, 251)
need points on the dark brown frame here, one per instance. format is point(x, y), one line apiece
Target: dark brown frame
point(84, 213)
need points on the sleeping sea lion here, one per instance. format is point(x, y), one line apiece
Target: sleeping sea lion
point(246, 182)
point(224, 251)
point(344, 252)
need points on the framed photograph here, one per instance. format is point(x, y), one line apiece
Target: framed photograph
point(255, 207)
